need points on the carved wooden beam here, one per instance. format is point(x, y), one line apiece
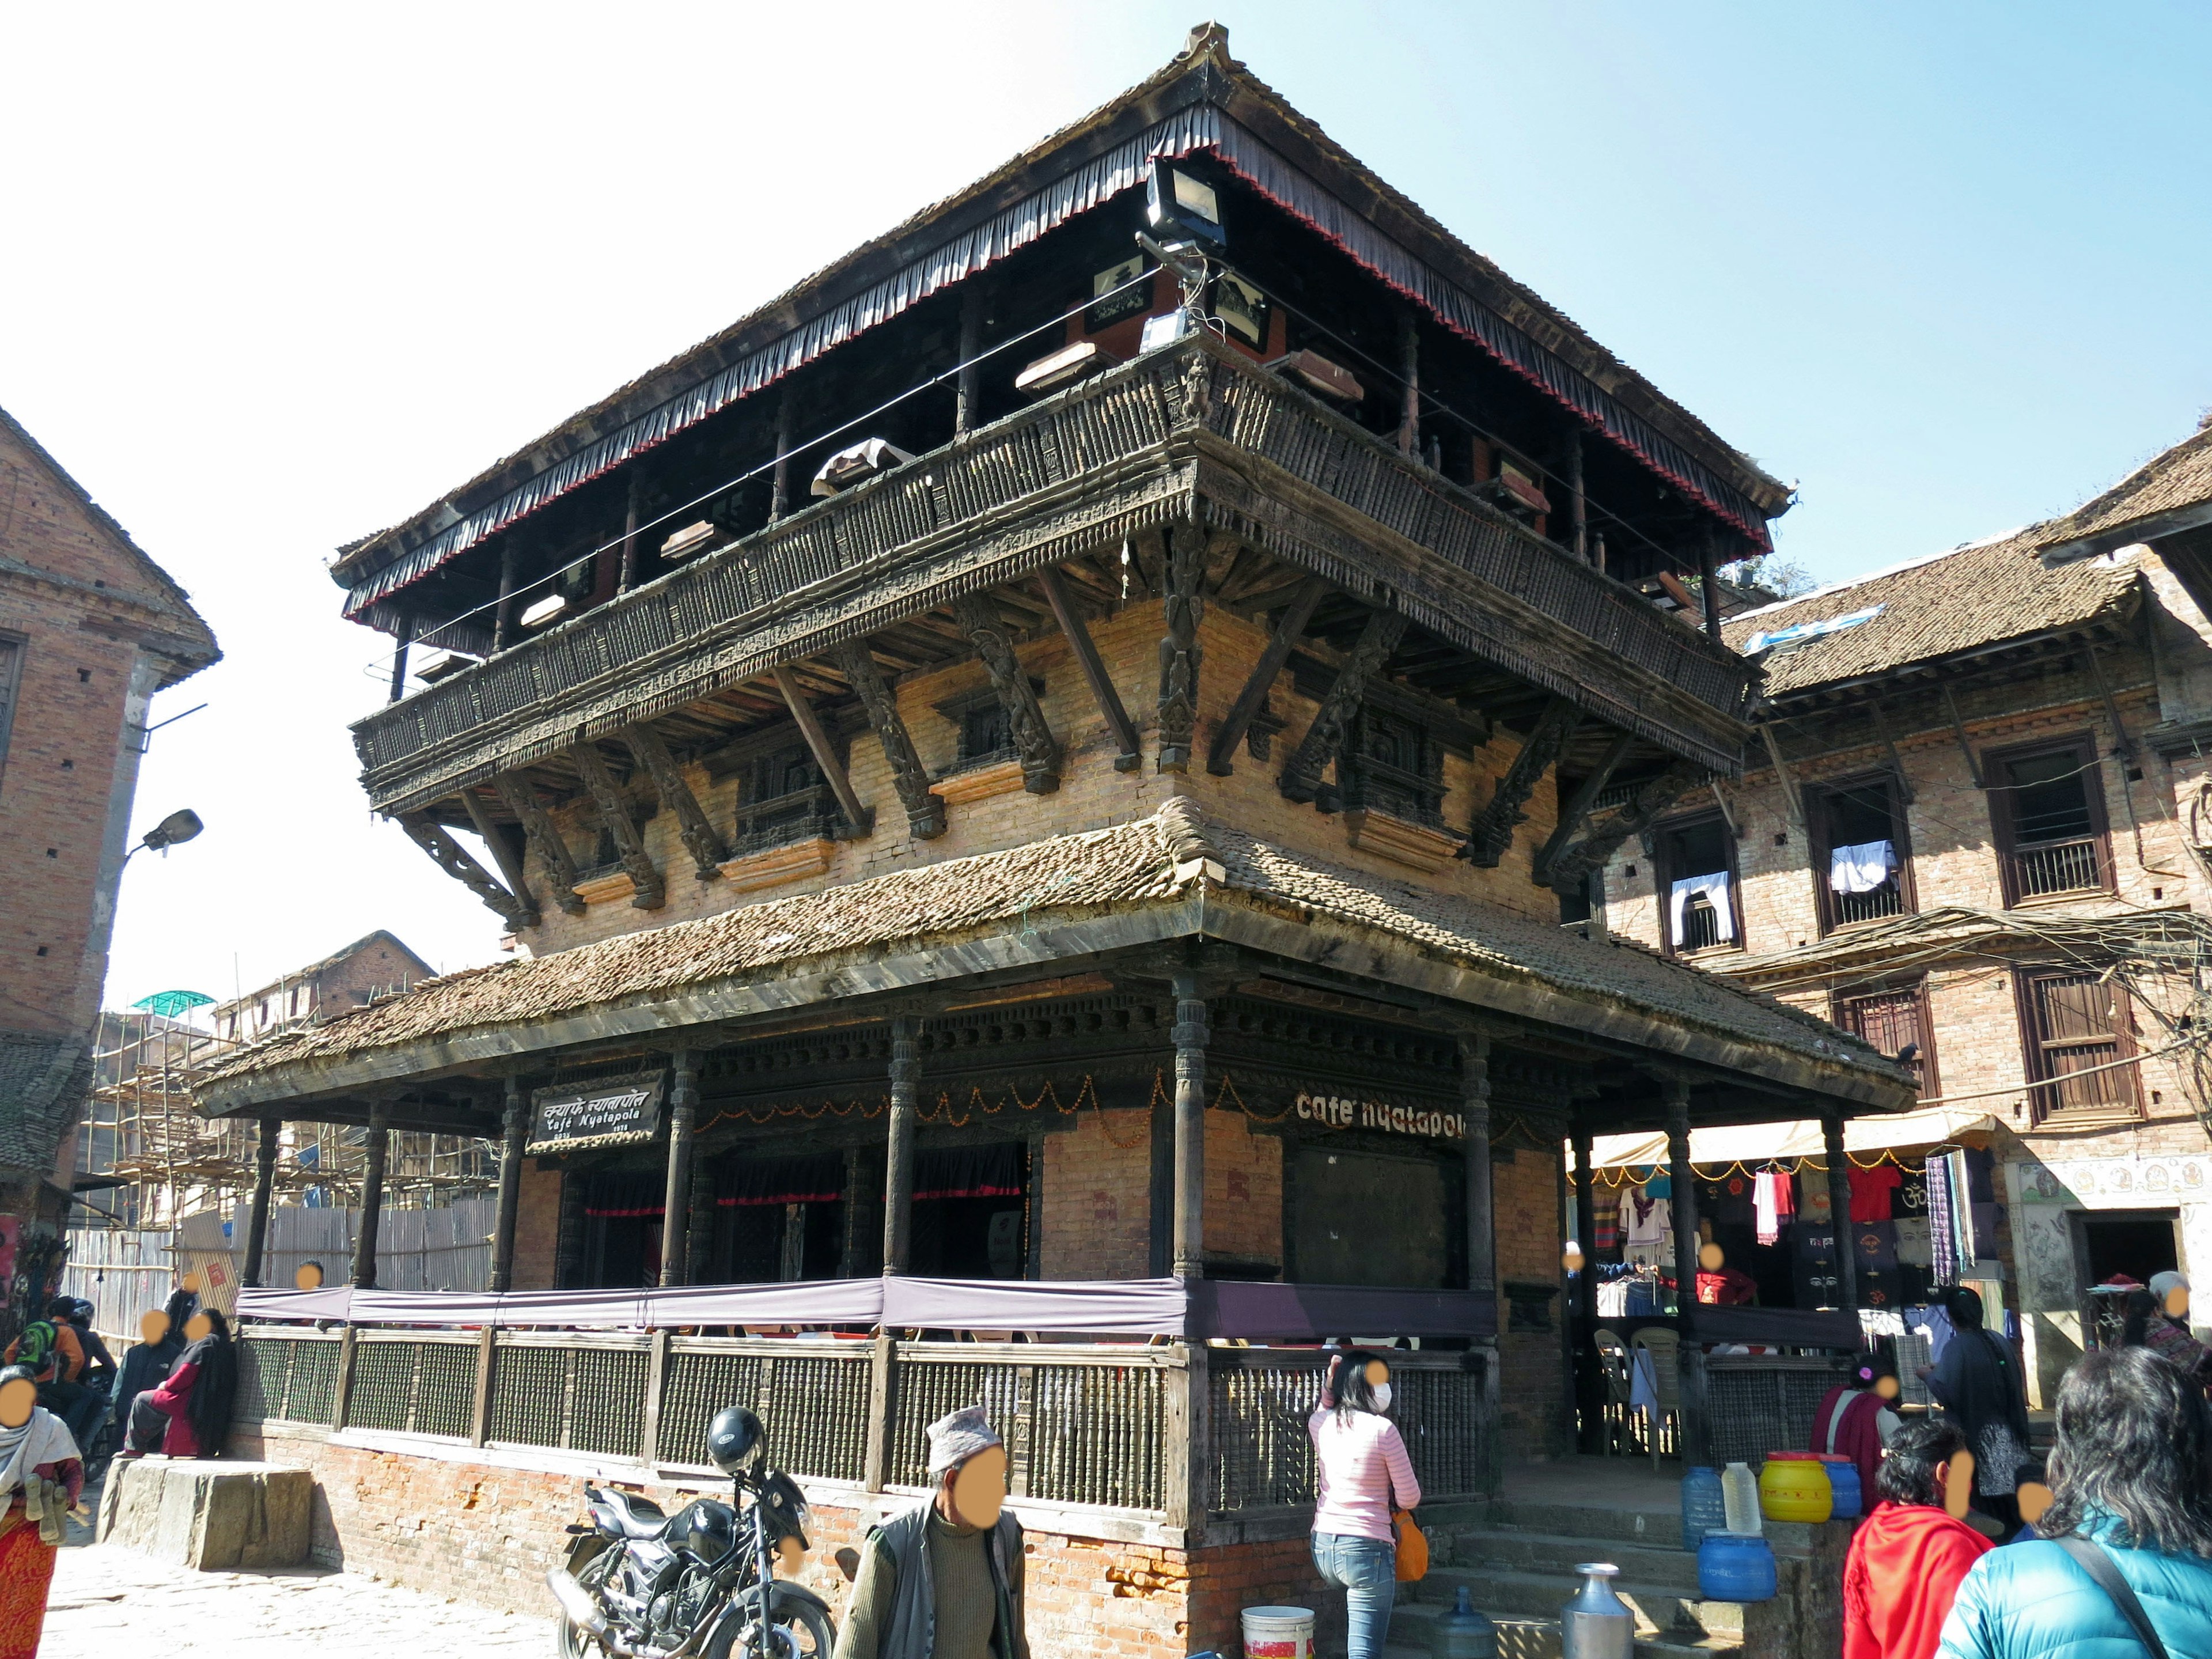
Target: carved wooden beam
point(1179, 647)
point(925, 809)
point(1033, 740)
point(1289, 628)
point(544, 839)
point(1094, 670)
point(819, 746)
point(1492, 831)
point(430, 835)
point(503, 852)
point(1301, 778)
point(651, 891)
point(1577, 812)
point(1652, 802)
point(700, 840)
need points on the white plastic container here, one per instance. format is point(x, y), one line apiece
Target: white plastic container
point(1739, 1497)
point(1278, 1633)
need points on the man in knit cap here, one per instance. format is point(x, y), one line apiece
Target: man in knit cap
point(944, 1581)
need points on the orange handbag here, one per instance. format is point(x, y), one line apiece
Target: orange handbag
point(1413, 1547)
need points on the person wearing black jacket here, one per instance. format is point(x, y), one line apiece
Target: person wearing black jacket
point(148, 1365)
point(1979, 1387)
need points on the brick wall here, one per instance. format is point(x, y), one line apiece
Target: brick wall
point(1531, 1388)
point(1098, 1198)
point(537, 1227)
point(1243, 1191)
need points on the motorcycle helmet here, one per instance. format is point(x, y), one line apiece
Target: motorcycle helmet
point(734, 1438)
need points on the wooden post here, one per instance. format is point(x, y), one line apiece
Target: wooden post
point(883, 1402)
point(372, 1195)
point(626, 576)
point(898, 1168)
point(1577, 500)
point(1581, 1317)
point(1190, 1038)
point(778, 496)
point(656, 1383)
point(480, 1404)
point(1839, 1208)
point(514, 1128)
point(966, 386)
point(502, 615)
point(341, 1384)
point(264, 1182)
point(1187, 1474)
point(1709, 583)
point(1409, 356)
point(676, 1204)
point(1683, 1179)
point(1481, 1227)
point(405, 637)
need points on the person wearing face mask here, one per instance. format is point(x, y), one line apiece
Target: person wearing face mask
point(1361, 1475)
point(944, 1581)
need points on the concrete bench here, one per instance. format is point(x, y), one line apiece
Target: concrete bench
point(214, 1516)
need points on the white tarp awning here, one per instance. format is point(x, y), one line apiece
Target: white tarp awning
point(1755, 1143)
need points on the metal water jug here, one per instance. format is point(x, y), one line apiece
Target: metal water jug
point(1597, 1623)
point(1463, 1633)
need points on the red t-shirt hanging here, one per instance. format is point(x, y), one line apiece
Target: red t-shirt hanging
point(1871, 1190)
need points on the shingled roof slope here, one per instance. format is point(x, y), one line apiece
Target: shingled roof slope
point(1979, 595)
point(1149, 860)
point(2177, 479)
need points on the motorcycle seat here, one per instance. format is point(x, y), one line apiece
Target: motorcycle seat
point(632, 1518)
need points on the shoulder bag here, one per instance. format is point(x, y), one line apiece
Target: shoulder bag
point(2092, 1559)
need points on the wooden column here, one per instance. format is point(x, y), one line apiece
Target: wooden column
point(1481, 1224)
point(1684, 1183)
point(967, 386)
point(502, 615)
point(626, 574)
point(372, 1197)
point(265, 1182)
point(1577, 501)
point(676, 1202)
point(1409, 357)
point(898, 1168)
point(514, 1128)
point(1709, 584)
point(1187, 1472)
point(1839, 1206)
point(779, 496)
point(1582, 1316)
point(1190, 1039)
point(405, 638)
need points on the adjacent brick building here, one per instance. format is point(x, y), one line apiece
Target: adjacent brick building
point(90, 628)
point(2024, 724)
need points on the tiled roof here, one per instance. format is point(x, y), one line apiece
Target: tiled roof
point(1152, 860)
point(43, 1083)
point(1979, 595)
point(2180, 478)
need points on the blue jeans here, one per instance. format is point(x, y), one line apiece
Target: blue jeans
point(1366, 1568)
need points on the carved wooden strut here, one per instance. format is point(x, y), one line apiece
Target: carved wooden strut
point(1492, 831)
point(1179, 647)
point(545, 839)
point(1289, 628)
point(651, 891)
point(1652, 802)
point(925, 809)
point(1324, 738)
point(430, 835)
point(707, 847)
point(503, 852)
point(1033, 739)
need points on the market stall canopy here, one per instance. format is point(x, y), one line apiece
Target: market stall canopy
point(1757, 1143)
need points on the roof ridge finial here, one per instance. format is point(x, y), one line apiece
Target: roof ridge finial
point(1208, 39)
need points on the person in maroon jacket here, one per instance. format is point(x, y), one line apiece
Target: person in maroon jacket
point(189, 1415)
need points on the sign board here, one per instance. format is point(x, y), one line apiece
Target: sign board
point(615, 1111)
point(1337, 1112)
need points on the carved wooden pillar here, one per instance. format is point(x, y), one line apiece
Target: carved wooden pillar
point(1033, 740)
point(401, 642)
point(1684, 1180)
point(265, 1182)
point(1492, 831)
point(1191, 1034)
point(1481, 1206)
point(925, 809)
point(1302, 778)
point(1839, 1206)
point(651, 891)
point(898, 1168)
point(702, 1265)
point(676, 1199)
point(515, 1131)
point(1180, 651)
point(372, 1195)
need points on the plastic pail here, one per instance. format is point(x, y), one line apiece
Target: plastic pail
point(1278, 1633)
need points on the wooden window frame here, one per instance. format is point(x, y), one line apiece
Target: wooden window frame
point(1931, 1083)
point(1664, 875)
point(2082, 745)
point(2043, 1082)
point(1818, 798)
point(14, 647)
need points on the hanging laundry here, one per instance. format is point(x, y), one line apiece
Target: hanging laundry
point(1605, 1222)
point(1863, 868)
point(1765, 1206)
point(1715, 888)
point(1942, 1236)
point(1872, 1190)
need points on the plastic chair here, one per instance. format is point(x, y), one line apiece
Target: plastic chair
point(1613, 1365)
point(1664, 1347)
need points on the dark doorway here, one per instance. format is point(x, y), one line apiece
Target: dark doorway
point(621, 1229)
point(779, 1219)
point(970, 1212)
point(1372, 1218)
point(2135, 1243)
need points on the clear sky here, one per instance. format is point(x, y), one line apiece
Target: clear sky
point(275, 276)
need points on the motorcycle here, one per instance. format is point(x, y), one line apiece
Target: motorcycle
point(639, 1584)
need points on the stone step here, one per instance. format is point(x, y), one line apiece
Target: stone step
point(1654, 1527)
point(1553, 1553)
point(1539, 1638)
point(1660, 1608)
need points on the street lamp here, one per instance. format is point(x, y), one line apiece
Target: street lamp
point(180, 826)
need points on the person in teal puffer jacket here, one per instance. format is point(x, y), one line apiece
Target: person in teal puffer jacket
point(2133, 1472)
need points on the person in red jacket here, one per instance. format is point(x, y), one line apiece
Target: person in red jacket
point(1907, 1558)
point(189, 1414)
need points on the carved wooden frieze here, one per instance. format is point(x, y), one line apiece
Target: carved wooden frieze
point(1179, 647)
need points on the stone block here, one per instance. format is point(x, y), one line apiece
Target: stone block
point(210, 1515)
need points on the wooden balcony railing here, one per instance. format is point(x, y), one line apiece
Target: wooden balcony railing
point(1175, 431)
point(2056, 867)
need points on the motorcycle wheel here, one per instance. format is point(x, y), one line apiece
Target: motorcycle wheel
point(569, 1641)
point(801, 1632)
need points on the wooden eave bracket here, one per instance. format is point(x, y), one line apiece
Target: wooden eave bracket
point(700, 840)
point(1130, 758)
point(1301, 779)
point(925, 809)
point(827, 761)
point(544, 839)
point(1033, 740)
point(1289, 628)
point(1491, 830)
point(650, 890)
point(430, 835)
point(1576, 816)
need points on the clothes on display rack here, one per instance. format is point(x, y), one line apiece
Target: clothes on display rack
point(1647, 1229)
point(1863, 868)
point(1714, 889)
point(1874, 1246)
point(1605, 1222)
point(1872, 1191)
point(1943, 1232)
point(1660, 1185)
point(1613, 1299)
point(1727, 1200)
point(1771, 1204)
point(1815, 1267)
point(1934, 1325)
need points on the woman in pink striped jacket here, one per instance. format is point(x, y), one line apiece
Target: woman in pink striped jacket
point(1361, 1474)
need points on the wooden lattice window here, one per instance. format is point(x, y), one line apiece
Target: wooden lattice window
point(1892, 1021)
point(783, 798)
point(2079, 1026)
point(1395, 764)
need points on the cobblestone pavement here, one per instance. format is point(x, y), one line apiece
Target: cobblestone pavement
point(108, 1599)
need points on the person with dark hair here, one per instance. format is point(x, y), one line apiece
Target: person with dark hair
point(2124, 1562)
point(1855, 1419)
point(1979, 1385)
point(148, 1365)
point(1361, 1476)
point(189, 1415)
point(42, 1477)
point(1907, 1558)
point(2158, 1319)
